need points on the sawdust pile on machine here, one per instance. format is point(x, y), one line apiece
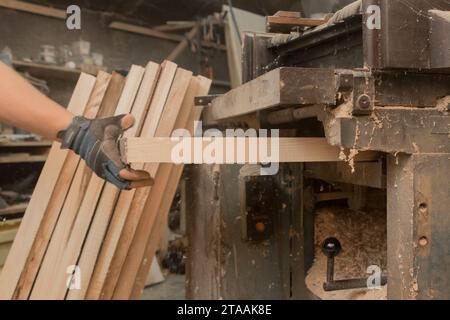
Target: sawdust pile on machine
point(373, 77)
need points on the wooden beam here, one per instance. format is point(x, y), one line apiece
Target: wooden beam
point(158, 34)
point(33, 8)
point(159, 150)
point(279, 87)
point(34, 214)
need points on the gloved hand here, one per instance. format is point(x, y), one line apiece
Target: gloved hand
point(96, 141)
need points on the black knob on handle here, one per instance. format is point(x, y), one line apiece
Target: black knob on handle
point(331, 247)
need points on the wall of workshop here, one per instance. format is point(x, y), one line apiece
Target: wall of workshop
point(24, 33)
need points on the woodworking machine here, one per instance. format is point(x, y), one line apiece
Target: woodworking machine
point(375, 76)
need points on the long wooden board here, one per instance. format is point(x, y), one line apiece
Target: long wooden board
point(81, 198)
point(41, 196)
point(110, 193)
point(165, 126)
point(159, 150)
point(105, 266)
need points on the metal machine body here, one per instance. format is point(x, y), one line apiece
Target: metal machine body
point(382, 89)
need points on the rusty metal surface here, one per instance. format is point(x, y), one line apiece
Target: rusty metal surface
point(396, 130)
point(418, 226)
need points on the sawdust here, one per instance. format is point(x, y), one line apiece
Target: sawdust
point(363, 239)
point(443, 105)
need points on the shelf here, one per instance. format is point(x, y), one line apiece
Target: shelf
point(47, 71)
point(22, 158)
point(24, 144)
point(14, 209)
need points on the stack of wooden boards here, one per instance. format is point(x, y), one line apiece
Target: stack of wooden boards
point(83, 233)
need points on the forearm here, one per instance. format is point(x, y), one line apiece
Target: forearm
point(25, 107)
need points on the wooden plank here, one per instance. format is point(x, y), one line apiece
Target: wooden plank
point(41, 197)
point(104, 272)
point(169, 114)
point(100, 106)
point(33, 8)
point(280, 87)
point(159, 150)
point(78, 209)
point(105, 207)
point(157, 34)
point(157, 210)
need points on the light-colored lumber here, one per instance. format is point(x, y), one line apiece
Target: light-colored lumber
point(107, 202)
point(159, 150)
point(41, 196)
point(137, 250)
point(81, 198)
point(169, 114)
point(33, 8)
point(104, 266)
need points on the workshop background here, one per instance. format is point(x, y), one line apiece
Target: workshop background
point(227, 254)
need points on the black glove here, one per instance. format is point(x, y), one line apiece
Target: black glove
point(96, 141)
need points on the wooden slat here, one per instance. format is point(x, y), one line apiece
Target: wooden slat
point(104, 261)
point(33, 8)
point(85, 187)
point(160, 212)
point(159, 150)
point(169, 114)
point(41, 197)
point(110, 193)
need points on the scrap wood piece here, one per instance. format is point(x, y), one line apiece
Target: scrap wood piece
point(103, 275)
point(138, 250)
point(41, 196)
point(171, 110)
point(83, 201)
point(107, 202)
point(163, 150)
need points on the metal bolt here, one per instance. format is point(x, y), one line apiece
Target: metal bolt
point(363, 102)
point(423, 241)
